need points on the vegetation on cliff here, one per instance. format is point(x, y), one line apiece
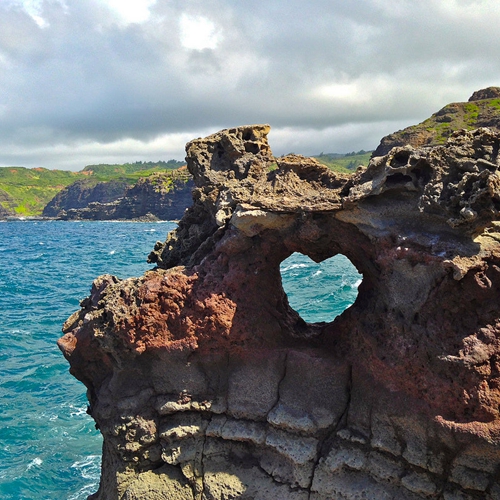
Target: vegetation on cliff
point(129, 171)
point(26, 191)
point(481, 110)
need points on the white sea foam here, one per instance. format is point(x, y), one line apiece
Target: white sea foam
point(89, 460)
point(293, 266)
point(77, 412)
point(84, 492)
point(89, 467)
point(34, 463)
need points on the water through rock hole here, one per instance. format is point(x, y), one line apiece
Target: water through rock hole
point(320, 292)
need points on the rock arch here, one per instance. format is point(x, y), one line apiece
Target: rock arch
point(201, 369)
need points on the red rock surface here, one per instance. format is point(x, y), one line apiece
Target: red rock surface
point(207, 385)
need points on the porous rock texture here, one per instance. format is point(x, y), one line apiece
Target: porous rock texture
point(206, 384)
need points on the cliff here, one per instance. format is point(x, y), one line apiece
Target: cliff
point(206, 384)
point(83, 192)
point(481, 110)
point(162, 195)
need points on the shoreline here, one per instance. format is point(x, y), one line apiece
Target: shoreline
point(50, 219)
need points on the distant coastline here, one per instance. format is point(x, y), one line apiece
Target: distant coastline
point(116, 192)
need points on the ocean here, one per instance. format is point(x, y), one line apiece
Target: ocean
point(49, 448)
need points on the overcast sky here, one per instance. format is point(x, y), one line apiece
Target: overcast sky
point(109, 81)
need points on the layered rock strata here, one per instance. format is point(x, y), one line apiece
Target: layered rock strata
point(206, 384)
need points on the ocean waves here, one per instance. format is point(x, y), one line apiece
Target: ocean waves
point(320, 292)
point(49, 448)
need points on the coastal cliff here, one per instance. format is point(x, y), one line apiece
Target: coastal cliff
point(162, 195)
point(83, 192)
point(207, 385)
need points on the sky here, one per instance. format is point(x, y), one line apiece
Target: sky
point(111, 81)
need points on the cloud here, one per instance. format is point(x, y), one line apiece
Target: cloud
point(79, 78)
point(198, 33)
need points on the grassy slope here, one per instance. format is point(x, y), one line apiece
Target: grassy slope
point(436, 129)
point(30, 190)
point(345, 163)
point(27, 191)
point(456, 116)
point(130, 171)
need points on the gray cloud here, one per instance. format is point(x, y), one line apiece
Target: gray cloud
point(78, 81)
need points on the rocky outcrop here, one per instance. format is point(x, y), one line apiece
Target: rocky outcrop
point(487, 93)
point(481, 110)
point(206, 384)
point(163, 195)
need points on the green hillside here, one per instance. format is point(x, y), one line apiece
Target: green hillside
point(26, 191)
point(132, 171)
point(345, 163)
point(481, 110)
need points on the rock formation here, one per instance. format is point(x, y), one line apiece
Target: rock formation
point(481, 110)
point(206, 384)
point(162, 195)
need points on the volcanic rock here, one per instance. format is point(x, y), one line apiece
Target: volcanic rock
point(488, 93)
point(206, 384)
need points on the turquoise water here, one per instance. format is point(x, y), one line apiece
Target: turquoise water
point(320, 292)
point(49, 448)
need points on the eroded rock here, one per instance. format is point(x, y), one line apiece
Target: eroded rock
point(207, 385)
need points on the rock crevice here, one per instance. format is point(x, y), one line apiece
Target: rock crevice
point(206, 384)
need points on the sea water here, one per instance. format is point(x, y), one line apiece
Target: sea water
point(320, 291)
point(49, 448)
